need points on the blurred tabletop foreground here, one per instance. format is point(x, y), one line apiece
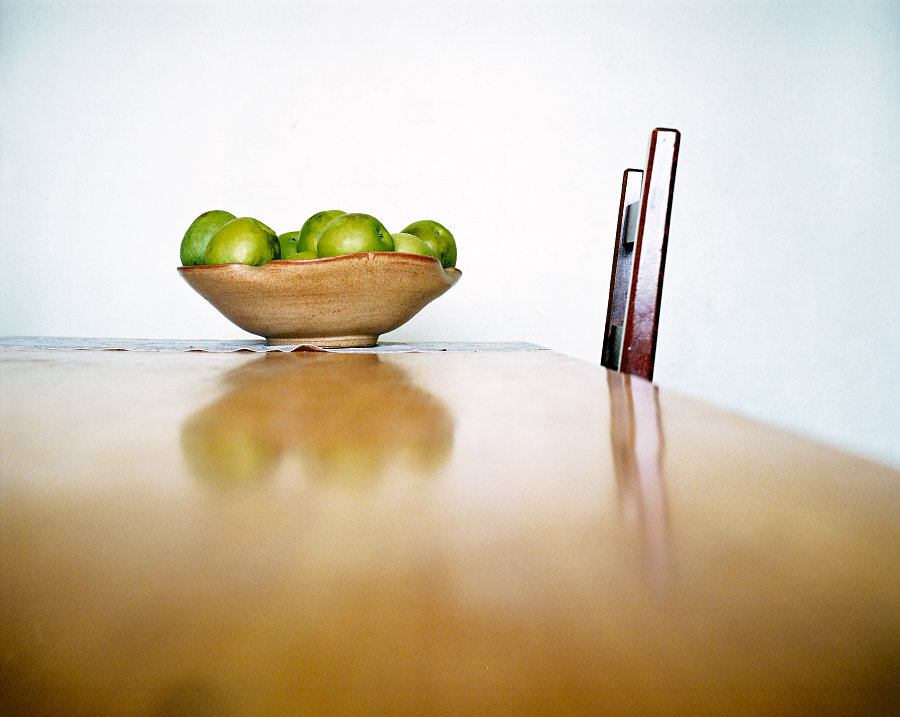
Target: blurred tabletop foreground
point(469, 532)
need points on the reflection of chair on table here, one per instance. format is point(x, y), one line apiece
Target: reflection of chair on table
point(639, 259)
point(636, 436)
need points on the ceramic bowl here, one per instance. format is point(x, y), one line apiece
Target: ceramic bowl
point(341, 301)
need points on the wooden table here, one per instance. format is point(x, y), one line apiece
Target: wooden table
point(438, 533)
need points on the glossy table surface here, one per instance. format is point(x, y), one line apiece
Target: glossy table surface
point(427, 533)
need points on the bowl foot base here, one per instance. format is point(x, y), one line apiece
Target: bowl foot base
point(328, 342)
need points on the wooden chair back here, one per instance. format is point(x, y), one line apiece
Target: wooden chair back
point(639, 259)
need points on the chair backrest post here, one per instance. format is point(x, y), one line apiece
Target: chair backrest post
point(623, 258)
point(629, 342)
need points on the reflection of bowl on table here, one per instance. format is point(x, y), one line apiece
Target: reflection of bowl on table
point(349, 418)
point(341, 301)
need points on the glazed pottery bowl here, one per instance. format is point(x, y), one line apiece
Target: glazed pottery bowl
point(341, 301)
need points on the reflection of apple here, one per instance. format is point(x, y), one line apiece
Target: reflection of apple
point(228, 444)
point(348, 417)
point(342, 465)
point(229, 459)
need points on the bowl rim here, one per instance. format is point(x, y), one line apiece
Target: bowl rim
point(356, 256)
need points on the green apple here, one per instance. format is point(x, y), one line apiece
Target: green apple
point(354, 234)
point(308, 239)
point(411, 244)
point(436, 236)
point(243, 241)
point(302, 256)
point(288, 242)
point(201, 230)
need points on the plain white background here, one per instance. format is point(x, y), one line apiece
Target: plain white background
point(510, 122)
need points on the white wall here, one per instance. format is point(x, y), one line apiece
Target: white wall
point(510, 122)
